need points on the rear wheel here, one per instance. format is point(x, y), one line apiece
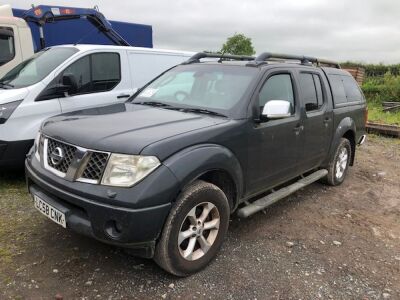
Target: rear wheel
point(339, 163)
point(194, 230)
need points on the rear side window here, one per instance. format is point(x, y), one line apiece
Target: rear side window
point(311, 89)
point(99, 72)
point(277, 87)
point(353, 93)
point(345, 89)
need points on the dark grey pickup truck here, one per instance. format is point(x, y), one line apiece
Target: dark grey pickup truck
point(162, 173)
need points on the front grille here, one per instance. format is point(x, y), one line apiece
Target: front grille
point(67, 151)
point(73, 162)
point(95, 166)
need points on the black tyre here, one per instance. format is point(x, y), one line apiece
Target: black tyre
point(339, 163)
point(194, 230)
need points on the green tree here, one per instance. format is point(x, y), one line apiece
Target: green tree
point(238, 44)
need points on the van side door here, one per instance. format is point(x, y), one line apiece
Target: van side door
point(274, 145)
point(96, 79)
point(317, 114)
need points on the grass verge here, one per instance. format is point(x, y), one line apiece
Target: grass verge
point(376, 114)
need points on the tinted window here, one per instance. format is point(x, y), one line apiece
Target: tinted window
point(308, 91)
point(94, 73)
point(7, 51)
point(106, 71)
point(351, 88)
point(277, 87)
point(37, 67)
point(339, 94)
point(80, 70)
point(318, 87)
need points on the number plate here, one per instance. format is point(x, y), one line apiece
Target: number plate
point(49, 211)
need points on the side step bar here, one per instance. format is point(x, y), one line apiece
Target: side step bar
point(270, 199)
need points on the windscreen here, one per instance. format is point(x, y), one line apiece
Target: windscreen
point(7, 50)
point(216, 87)
point(37, 67)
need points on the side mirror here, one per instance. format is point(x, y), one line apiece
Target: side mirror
point(277, 109)
point(69, 84)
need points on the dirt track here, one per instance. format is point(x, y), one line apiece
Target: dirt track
point(322, 242)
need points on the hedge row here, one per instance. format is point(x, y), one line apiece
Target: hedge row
point(382, 89)
point(375, 70)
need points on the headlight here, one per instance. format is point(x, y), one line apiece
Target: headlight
point(7, 109)
point(36, 146)
point(126, 170)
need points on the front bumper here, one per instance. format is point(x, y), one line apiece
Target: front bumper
point(128, 225)
point(13, 154)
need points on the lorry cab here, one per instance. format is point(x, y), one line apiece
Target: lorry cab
point(13, 50)
point(66, 78)
point(25, 32)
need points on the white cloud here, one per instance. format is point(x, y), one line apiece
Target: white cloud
point(360, 30)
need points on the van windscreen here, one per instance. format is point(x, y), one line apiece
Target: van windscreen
point(36, 68)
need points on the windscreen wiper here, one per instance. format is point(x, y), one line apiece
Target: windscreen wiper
point(203, 111)
point(152, 103)
point(182, 109)
point(4, 84)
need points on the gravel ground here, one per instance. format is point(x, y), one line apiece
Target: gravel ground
point(321, 242)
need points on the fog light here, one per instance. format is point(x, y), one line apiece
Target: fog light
point(113, 229)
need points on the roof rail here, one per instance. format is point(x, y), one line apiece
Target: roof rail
point(304, 60)
point(196, 58)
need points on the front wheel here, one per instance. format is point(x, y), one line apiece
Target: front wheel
point(339, 163)
point(194, 230)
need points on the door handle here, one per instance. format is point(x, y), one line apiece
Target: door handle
point(327, 120)
point(298, 128)
point(123, 96)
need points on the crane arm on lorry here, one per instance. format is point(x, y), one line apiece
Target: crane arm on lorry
point(43, 14)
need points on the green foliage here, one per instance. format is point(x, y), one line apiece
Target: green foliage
point(378, 90)
point(382, 89)
point(238, 44)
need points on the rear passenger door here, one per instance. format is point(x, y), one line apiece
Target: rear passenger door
point(101, 78)
point(317, 118)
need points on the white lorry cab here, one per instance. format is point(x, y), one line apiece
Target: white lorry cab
point(13, 50)
point(70, 77)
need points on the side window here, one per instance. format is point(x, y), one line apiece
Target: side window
point(106, 71)
point(352, 90)
point(339, 94)
point(318, 86)
point(311, 89)
point(79, 74)
point(7, 48)
point(277, 87)
point(94, 73)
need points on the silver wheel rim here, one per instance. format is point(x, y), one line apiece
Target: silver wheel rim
point(341, 163)
point(199, 231)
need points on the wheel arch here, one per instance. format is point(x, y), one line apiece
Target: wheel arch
point(211, 163)
point(345, 129)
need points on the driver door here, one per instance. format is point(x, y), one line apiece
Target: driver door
point(275, 145)
point(96, 80)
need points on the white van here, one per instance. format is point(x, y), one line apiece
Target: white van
point(70, 77)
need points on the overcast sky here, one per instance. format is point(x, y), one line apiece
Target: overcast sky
point(358, 30)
